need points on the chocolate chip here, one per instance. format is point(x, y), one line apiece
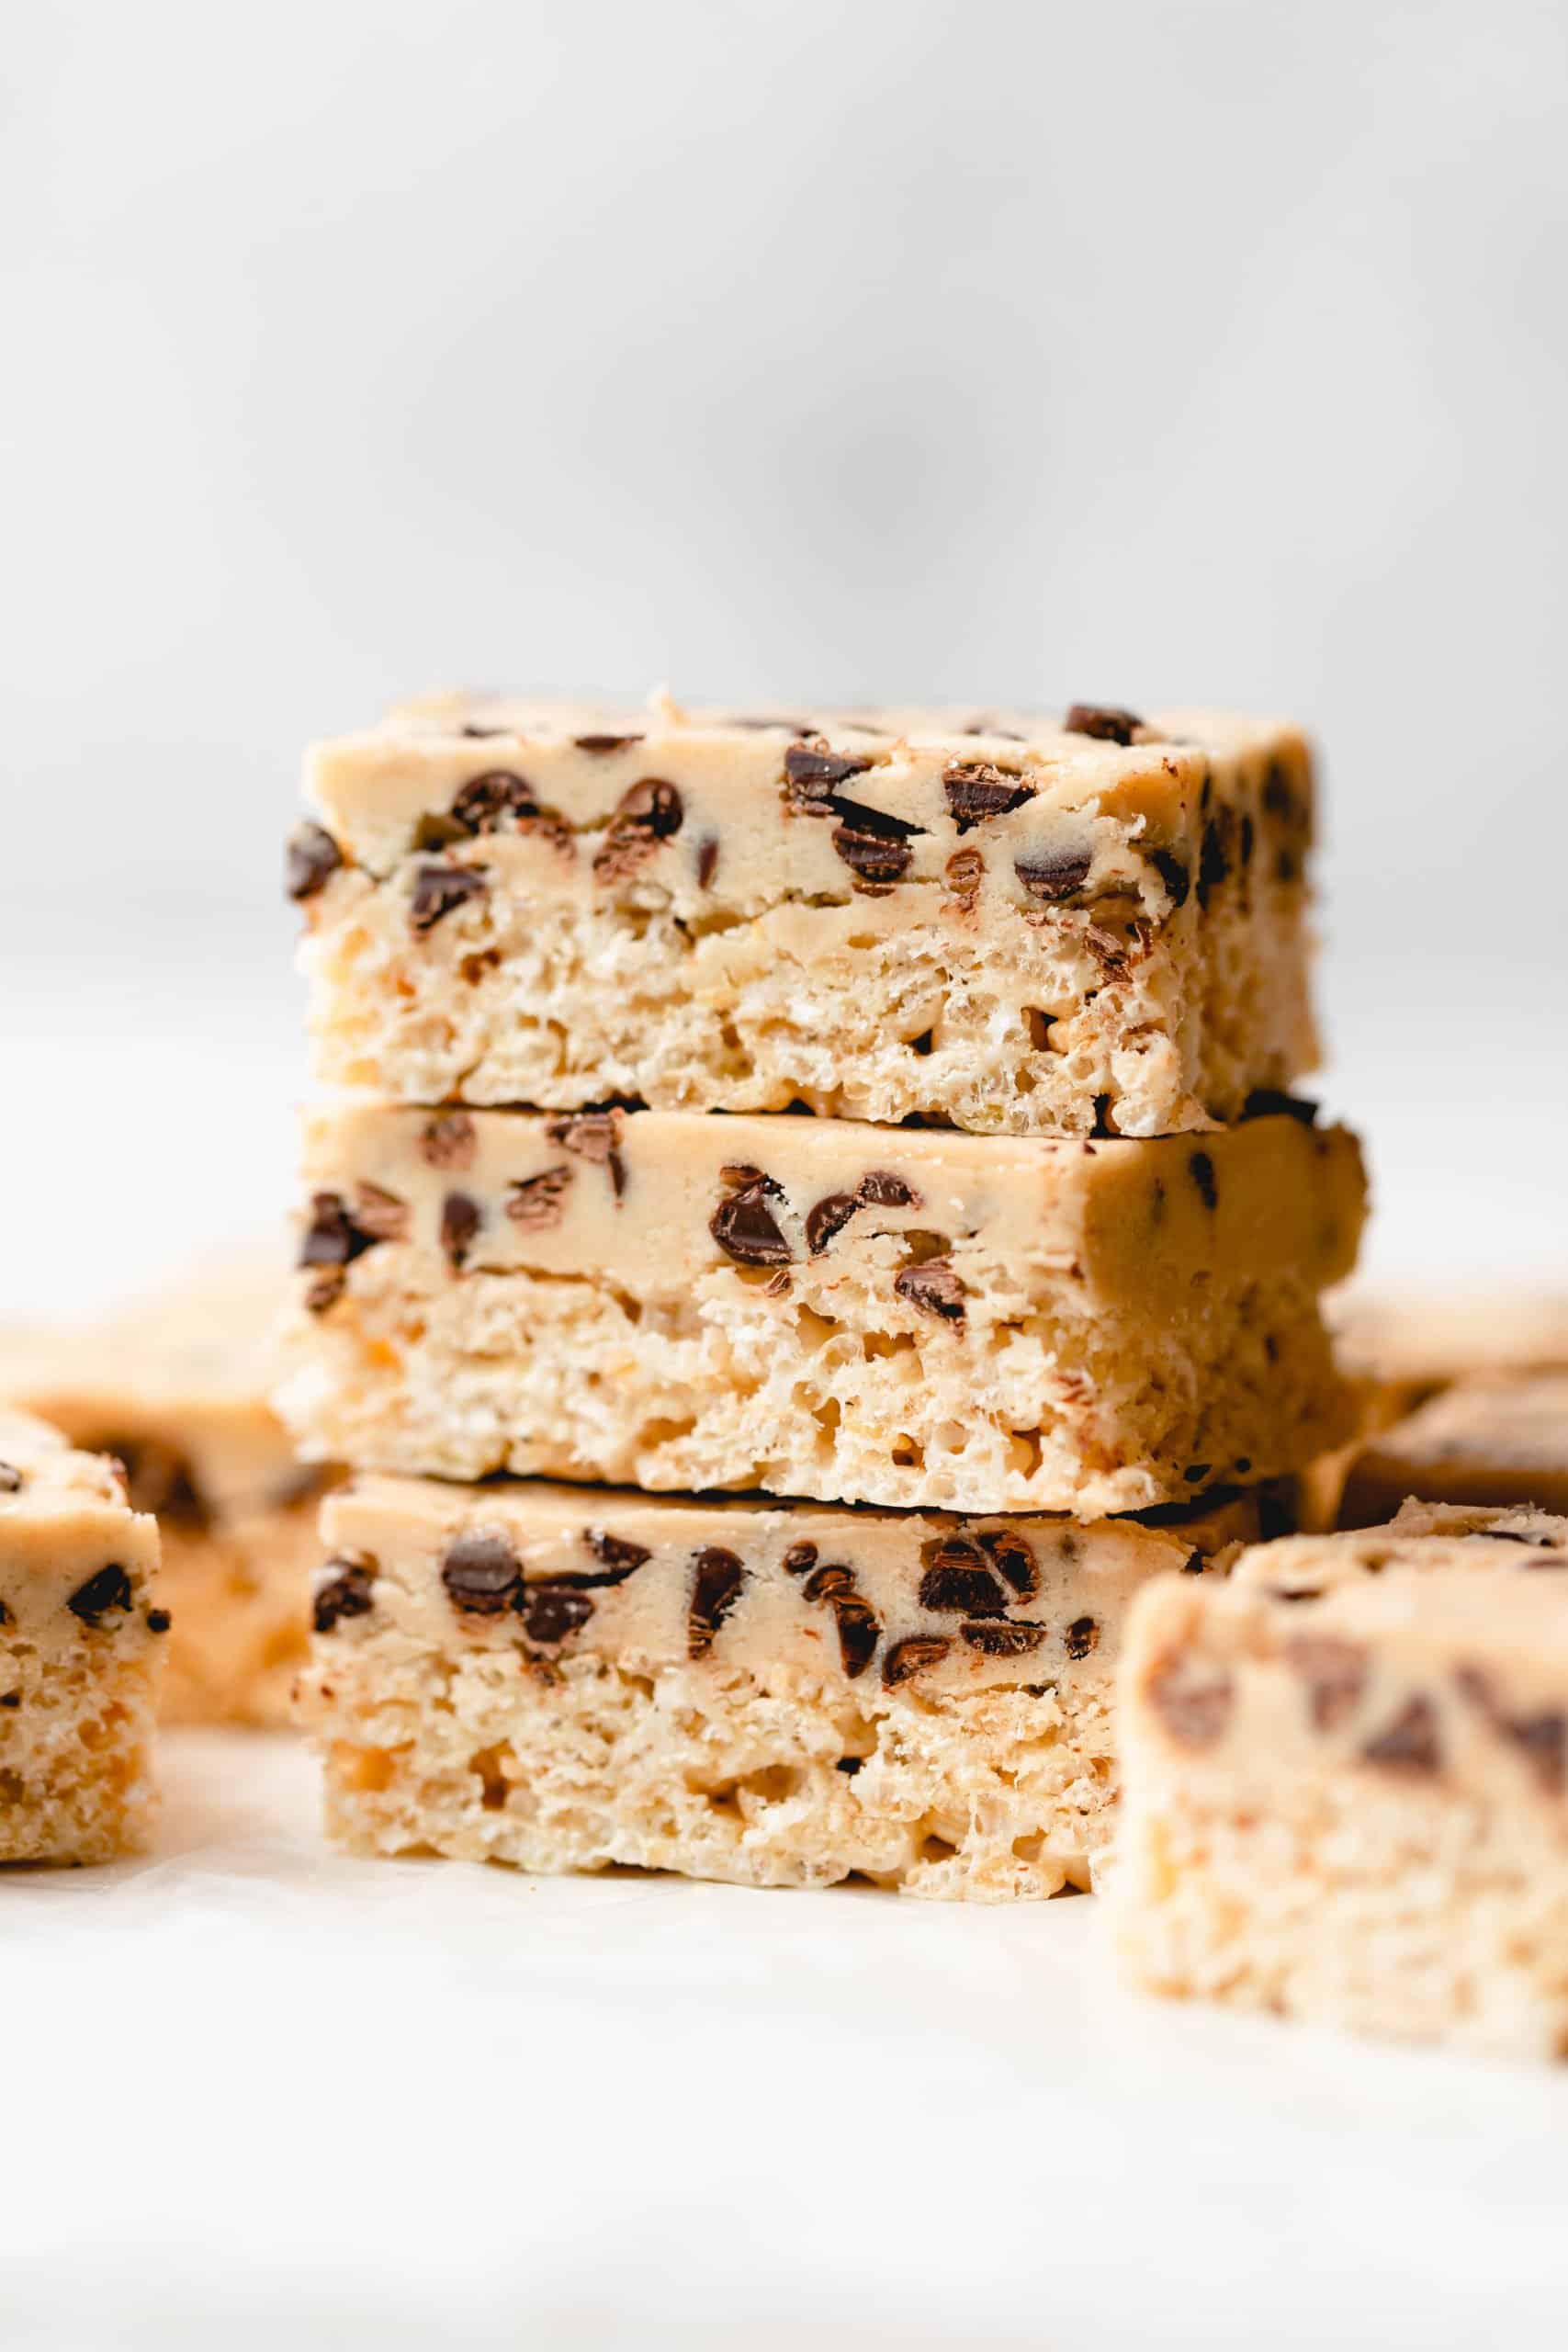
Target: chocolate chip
point(617, 1554)
point(1277, 796)
point(592, 1135)
point(1410, 1742)
point(313, 858)
point(1081, 1637)
point(105, 1591)
point(707, 860)
point(1264, 1102)
point(934, 1288)
point(1053, 875)
point(606, 743)
point(859, 1633)
point(993, 1640)
point(1007, 1551)
point(874, 857)
point(437, 890)
point(1103, 721)
point(827, 1218)
point(438, 832)
point(977, 790)
point(832, 1578)
point(649, 813)
point(1213, 860)
point(1193, 1707)
point(332, 1237)
point(1543, 1737)
point(344, 1592)
point(957, 1581)
point(461, 1218)
point(1249, 840)
point(481, 1573)
point(746, 1228)
point(907, 1658)
point(1196, 1471)
point(879, 1188)
point(5, 1614)
point(14, 1699)
point(799, 1558)
point(550, 1612)
point(1201, 1167)
point(483, 734)
point(158, 1478)
point(537, 1202)
point(10, 1478)
point(489, 802)
point(380, 1214)
point(324, 1289)
point(1172, 871)
point(715, 1589)
point(811, 771)
point(964, 871)
point(449, 1140)
point(158, 1621)
point(848, 1765)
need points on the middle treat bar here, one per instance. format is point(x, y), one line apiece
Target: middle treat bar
point(820, 1308)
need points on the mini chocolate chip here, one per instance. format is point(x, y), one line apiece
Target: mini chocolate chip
point(1173, 873)
point(832, 1580)
point(344, 1592)
point(1103, 721)
point(313, 858)
point(438, 832)
point(746, 1228)
point(1201, 1167)
point(977, 790)
point(994, 1640)
point(1008, 1552)
point(965, 870)
point(461, 1218)
point(481, 1573)
point(1543, 1737)
point(483, 734)
point(1333, 1671)
point(332, 1237)
point(106, 1590)
point(158, 1478)
point(811, 771)
point(488, 802)
point(10, 1478)
point(158, 1621)
point(551, 1613)
point(956, 1581)
point(537, 1200)
point(848, 1765)
point(907, 1658)
point(1213, 858)
point(1249, 840)
point(715, 1589)
point(1410, 1742)
point(1196, 1471)
point(859, 1633)
point(649, 813)
point(1081, 1637)
point(827, 1218)
point(1193, 1707)
point(934, 1288)
point(879, 1188)
point(593, 1135)
point(1264, 1102)
point(1277, 796)
point(617, 1554)
point(798, 1558)
point(14, 1699)
point(1052, 875)
point(5, 1614)
point(707, 860)
point(872, 857)
point(324, 1289)
point(380, 1214)
point(449, 1140)
point(438, 889)
point(606, 743)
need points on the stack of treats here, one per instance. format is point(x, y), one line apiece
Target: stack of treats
point(812, 1221)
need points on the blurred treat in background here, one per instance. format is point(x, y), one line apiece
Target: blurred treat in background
point(1502, 1438)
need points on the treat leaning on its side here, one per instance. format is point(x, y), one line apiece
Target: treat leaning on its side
point(81, 1648)
point(818, 1307)
point(992, 921)
point(1344, 1782)
point(564, 1678)
point(1498, 1441)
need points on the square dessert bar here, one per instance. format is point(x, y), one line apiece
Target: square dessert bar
point(783, 1695)
point(819, 1308)
point(988, 921)
point(175, 1388)
point(81, 1648)
point(1502, 1440)
point(1346, 1780)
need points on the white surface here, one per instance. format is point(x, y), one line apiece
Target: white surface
point(258, 2094)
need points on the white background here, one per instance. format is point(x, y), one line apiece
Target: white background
point(894, 347)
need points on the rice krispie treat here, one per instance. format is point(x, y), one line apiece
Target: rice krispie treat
point(564, 1678)
point(174, 1387)
point(1503, 1439)
point(992, 921)
point(1345, 1775)
point(81, 1645)
point(818, 1307)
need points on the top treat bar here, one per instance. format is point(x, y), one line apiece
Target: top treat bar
point(982, 920)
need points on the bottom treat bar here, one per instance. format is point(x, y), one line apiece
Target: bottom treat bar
point(1346, 1793)
point(780, 1694)
point(79, 1653)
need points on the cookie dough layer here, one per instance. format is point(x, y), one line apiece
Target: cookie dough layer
point(1498, 1441)
point(816, 1308)
point(782, 1696)
point(1345, 1773)
point(175, 1388)
point(81, 1648)
point(992, 921)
